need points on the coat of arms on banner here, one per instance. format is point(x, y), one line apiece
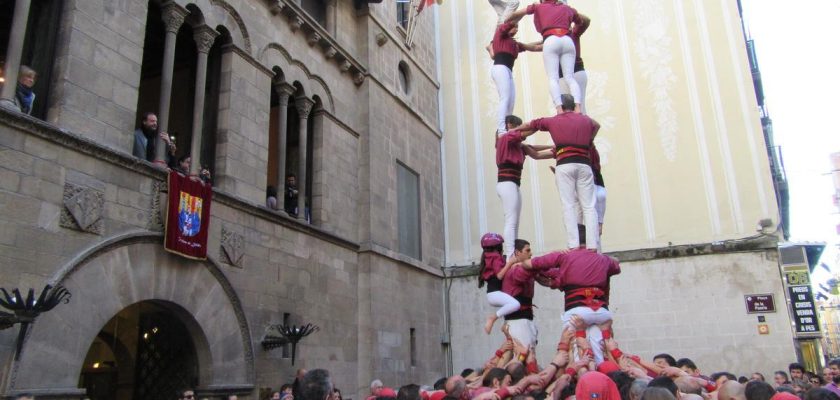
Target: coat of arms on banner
point(187, 216)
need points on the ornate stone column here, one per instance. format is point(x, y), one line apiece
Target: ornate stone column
point(14, 53)
point(304, 106)
point(173, 17)
point(204, 37)
point(284, 90)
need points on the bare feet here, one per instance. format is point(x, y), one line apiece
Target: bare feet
point(488, 326)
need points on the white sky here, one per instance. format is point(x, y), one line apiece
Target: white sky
point(799, 57)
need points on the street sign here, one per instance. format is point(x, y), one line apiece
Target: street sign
point(760, 303)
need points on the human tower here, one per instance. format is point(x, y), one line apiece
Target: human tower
point(580, 270)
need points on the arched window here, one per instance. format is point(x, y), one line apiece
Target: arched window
point(404, 77)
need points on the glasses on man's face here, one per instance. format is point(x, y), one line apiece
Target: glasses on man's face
point(189, 396)
point(815, 381)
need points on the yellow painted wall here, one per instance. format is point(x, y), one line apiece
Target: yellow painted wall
point(681, 143)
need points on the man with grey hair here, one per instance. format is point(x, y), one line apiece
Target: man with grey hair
point(637, 388)
point(375, 387)
point(317, 385)
point(572, 134)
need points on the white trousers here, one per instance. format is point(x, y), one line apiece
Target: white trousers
point(503, 77)
point(512, 205)
point(504, 8)
point(524, 331)
point(600, 205)
point(506, 303)
point(559, 52)
point(592, 318)
point(576, 186)
point(582, 80)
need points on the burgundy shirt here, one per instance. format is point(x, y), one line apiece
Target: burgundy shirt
point(519, 282)
point(551, 15)
point(509, 149)
point(568, 128)
point(579, 267)
point(493, 263)
point(504, 43)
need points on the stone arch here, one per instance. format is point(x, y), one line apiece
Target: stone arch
point(274, 55)
point(122, 271)
point(219, 12)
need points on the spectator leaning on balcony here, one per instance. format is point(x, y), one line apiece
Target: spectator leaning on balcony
point(24, 97)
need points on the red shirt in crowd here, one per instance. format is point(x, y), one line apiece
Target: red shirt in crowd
point(579, 267)
point(552, 15)
point(568, 128)
point(504, 43)
point(519, 282)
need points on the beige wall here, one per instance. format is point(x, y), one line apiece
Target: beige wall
point(687, 306)
point(681, 145)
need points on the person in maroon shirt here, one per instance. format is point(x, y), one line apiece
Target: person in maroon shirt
point(554, 21)
point(584, 277)
point(519, 283)
point(572, 134)
point(492, 272)
point(504, 50)
point(510, 158)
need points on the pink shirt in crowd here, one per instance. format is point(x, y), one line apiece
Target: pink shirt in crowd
point(552, 15)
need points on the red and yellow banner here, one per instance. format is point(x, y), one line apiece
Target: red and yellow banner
point(188, 216)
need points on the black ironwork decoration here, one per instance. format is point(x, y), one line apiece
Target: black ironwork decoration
point(27, 309)
point(288, 334)
point(7, 320)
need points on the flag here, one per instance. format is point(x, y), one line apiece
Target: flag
point(188, 216)
point(424, 3)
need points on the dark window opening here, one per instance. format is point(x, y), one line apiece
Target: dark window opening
point(317, 9)
point(39, 46)
point(403, 7)
point(412, 343)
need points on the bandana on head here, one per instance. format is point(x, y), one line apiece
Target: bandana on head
point(595, 385)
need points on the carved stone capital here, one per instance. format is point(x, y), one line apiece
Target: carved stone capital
point(358, 78)
point(276, 6)
point(330, 52)
point(284, 90)
point(304, 106)
point(295, 23)
point(313, 38)
point(345, 66)
point(204, 37)
point(173, 16)
point(381, 39)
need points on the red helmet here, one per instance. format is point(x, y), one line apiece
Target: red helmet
point(491, 240)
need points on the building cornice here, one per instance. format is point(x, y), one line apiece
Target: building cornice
point(316, 35)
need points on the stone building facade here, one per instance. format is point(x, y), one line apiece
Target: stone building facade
point(257, 89)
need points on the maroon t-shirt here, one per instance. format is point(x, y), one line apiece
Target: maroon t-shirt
point(504, 43)
point(519, 282)
point(568, 129)
point(552, 15)
point(493, 263)
point(509, 149)
point(579, 267)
